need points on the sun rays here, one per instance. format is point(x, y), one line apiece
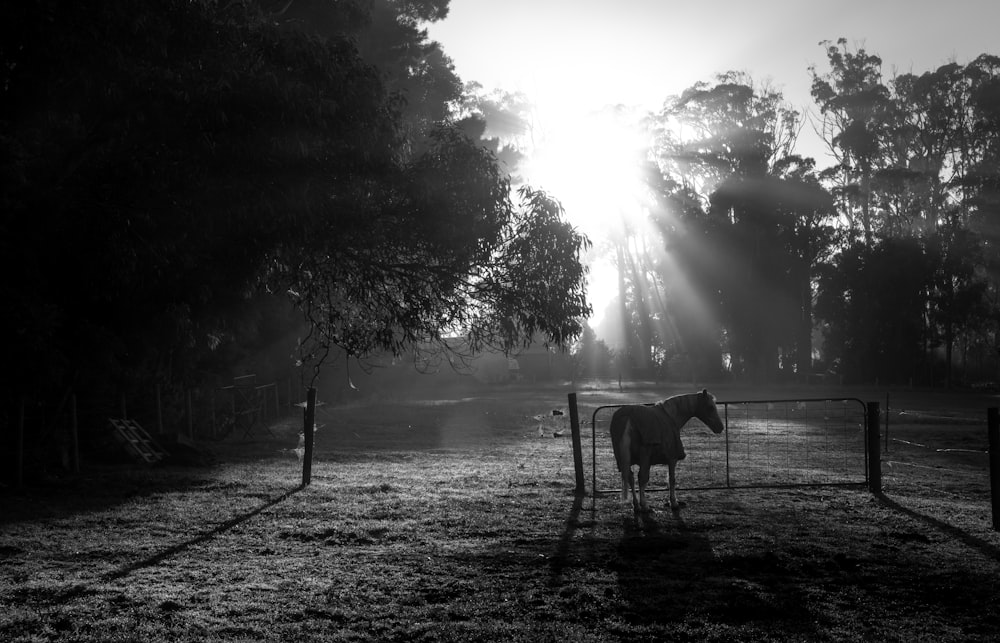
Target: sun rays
point(591, 162)
point(598, 165)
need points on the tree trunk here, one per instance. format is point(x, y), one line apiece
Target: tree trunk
point(949, 342)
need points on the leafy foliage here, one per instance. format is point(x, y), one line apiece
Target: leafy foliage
point(873, 301)
point(442, 279)
point(758, 218)
point(163, 162)
point(916, 156)
point(759, 233)
point(158, 154)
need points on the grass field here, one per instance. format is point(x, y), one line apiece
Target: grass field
point(454, 519)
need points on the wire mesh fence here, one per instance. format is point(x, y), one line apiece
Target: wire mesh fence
point(766, 443)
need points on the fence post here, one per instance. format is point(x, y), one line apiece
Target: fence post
point(19, 470)
point(74, 435)
point(874, 457)
point(993, 429)
point(159, 411)
point(574, 425)
point(309, 420)
point(190, 415)
point(888, 412)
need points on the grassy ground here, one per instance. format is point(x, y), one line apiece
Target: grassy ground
point(455, 520)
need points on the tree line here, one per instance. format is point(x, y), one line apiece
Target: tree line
point(882, 267)
point(185, 184)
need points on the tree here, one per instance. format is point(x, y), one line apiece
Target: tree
point(457, 267)
point(592, 357)
point(732, 127)
point(162, 153)
point(873, 303)
point(958, 289)
point(177, 157)
point(501, 120)
point(389, 36)
point(915, 167)
point(773, 234)
point(758, 212)
point(854, 104)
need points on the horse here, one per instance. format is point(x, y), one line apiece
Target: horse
point(650, 434)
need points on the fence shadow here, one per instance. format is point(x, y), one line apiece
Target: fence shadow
point(559, 560)
point(159, 557)
point(988, 549)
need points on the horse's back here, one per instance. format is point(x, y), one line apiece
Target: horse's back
point(652, 430)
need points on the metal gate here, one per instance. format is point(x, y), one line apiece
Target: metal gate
point(766, 443)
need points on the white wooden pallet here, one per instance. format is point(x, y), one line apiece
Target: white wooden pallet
point(135, 439)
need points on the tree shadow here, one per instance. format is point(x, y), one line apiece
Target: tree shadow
point(987, 548)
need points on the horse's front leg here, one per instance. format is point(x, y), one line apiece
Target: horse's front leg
point(672, 481)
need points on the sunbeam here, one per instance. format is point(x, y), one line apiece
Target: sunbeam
point(592, 163)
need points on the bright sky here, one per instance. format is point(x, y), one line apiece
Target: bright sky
point(587, 53)
point(572, 57)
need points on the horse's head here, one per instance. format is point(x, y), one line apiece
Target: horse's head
point(708, 413)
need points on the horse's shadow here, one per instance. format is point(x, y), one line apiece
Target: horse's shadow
point(652, 522)
point(657, 560)
point(669, 574)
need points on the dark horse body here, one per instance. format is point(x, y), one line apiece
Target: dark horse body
point(647, 435)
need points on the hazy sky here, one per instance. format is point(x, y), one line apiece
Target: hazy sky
point(595, 52)
point(575, 56)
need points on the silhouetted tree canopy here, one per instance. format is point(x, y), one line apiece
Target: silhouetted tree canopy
point(754, 216)
point(763, 239)
point(168, 165)
point(916, 167)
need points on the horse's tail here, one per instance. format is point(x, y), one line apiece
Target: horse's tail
point(621, 443)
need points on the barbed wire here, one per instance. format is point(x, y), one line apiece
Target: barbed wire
point(924, 446)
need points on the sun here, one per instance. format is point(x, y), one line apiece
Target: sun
point(591, 162)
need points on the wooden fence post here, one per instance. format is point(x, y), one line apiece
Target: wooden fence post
point(190, 415)
point(874, 457)
point(19, 471)
point(574, 425)
point(993, 429)
point(309, 419)
point(74, 435)
point(159, 411)
point(887, 414)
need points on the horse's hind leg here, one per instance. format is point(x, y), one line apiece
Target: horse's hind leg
point(625, 463)
point(643, 481)
point(631, 485)
point(672, 479)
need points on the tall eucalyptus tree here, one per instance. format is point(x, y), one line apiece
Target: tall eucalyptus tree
point(760, 213)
